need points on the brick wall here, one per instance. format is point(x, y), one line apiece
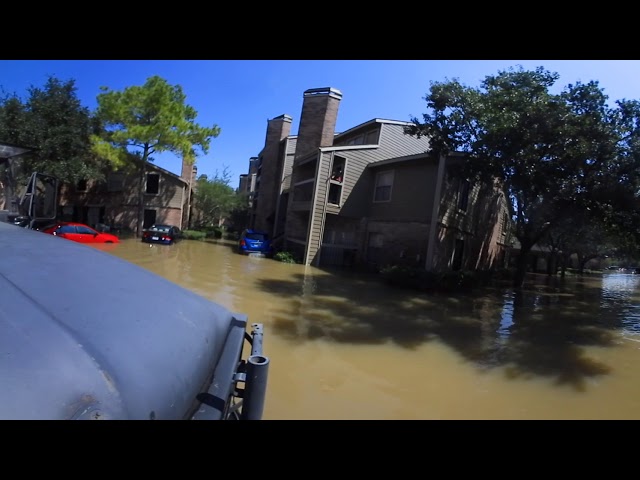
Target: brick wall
point(277, 129)
point(317, 120)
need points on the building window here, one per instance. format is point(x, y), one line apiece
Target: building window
point(153, 183)
point(115, 182)
point(337, 172)
point(372, 137)
point(359, 140)
point(463, 195)
point(335, 191)
point(337, 178)
point(81, 186)
point(384, 182)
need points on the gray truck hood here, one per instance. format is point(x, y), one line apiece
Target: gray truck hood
point(84, 334)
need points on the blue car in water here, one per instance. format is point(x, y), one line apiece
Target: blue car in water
point(254, 241)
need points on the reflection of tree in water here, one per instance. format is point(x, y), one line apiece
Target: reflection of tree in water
point(538, 331)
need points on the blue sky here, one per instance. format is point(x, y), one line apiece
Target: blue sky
point(241, 95)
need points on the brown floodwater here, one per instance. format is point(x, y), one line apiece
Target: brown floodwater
point(344, 346)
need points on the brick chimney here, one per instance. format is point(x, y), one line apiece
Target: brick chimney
point(189, 174)
point(278, 129)
point(317, 120)
point(187, 171)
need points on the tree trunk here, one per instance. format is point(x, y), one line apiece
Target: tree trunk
point(141, 200)
point(521, 267)
point(552, 261)
point(564, 266)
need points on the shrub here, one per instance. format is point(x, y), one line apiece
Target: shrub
point(284, 257)
point(193, 235)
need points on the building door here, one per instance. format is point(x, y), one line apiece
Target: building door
point(149, 218)
point(93, 216)
point(456, 262)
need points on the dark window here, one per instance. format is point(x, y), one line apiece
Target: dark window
point(257, 236)
point(149, 218)
point(85, 230)
point(81, 186)
point(153, 183)
point(456, 263)
point(337, 172)
point(334, 194)
point(384, 182)
point(463, 195)
point(372, 137)
point(66, 229)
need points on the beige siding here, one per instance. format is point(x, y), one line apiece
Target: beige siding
point(118, 194)
point(318, 210)
point(288, 163)
point(170, 193)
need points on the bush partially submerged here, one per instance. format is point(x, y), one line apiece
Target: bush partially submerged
point(193, 235)
point(284, 257)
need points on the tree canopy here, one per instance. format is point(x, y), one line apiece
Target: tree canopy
point(552, 153)
point(53, 122)
point(215, 199)
point(149, 119)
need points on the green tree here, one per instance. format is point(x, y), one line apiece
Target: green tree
point(550, 152)
point(215, 199)
point(54, 123)
point(145, 120)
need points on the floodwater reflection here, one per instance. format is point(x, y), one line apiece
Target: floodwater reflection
point(346, 346)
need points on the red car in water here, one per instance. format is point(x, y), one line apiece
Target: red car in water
point(79, 232)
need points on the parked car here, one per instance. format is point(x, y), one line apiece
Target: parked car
point(254, 241)
point(79, 232)
point(165, 234)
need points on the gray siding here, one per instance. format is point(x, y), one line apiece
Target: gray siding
point(395, 143)
point(357, 187)
point(411, 193)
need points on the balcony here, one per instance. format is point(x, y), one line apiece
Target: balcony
point(302, 195)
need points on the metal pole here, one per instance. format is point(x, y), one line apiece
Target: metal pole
point(256, 387)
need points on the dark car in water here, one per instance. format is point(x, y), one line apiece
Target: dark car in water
point(254, 241)
point(165, 234)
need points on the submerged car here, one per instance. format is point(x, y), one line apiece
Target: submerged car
point(165, 234)
point(254, 241)
point(79, 232)
point(116, 341)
